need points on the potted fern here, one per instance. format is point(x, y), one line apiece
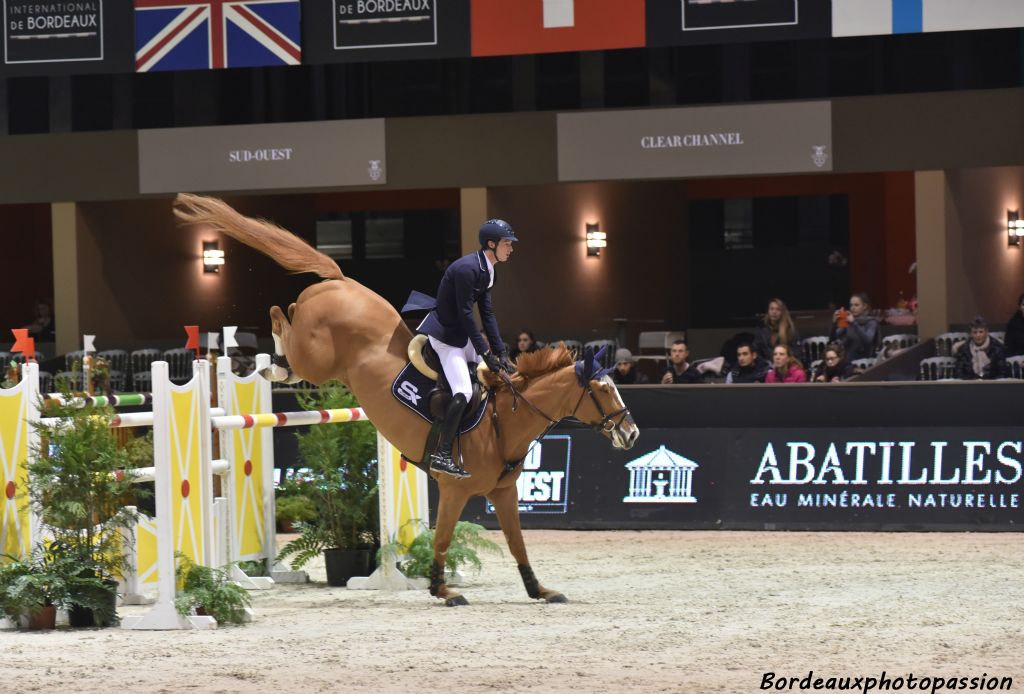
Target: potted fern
point(341, 483)
point(210, 591)
point(416, 559)
point(80, 487)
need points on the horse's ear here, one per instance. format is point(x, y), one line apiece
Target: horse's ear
point(600, 353)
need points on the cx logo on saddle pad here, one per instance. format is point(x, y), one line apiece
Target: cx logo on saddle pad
point(409, 392)
point(412, 389)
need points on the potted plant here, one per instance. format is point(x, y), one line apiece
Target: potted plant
point(341, 483)
point(293, 506)
point(79, 485)
point(416, 559)
point(210, 591)
point(33, 588)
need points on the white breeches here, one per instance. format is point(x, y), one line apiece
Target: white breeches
point(455, 362)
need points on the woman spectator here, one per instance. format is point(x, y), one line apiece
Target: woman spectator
point(785, 367)
point(834, 367)
point(42, 328)
point(1015, 331)
point(856, 329)
point(777, 328)
point(524, 343)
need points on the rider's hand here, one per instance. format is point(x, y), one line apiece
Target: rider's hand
point(492, 361)
point(506, 364)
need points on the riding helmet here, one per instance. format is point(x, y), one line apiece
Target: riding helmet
point(495, 230)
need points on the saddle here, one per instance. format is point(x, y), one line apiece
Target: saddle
point(422, 387)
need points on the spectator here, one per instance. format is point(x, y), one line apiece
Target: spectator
point(777, 328)
point(1015, 331)
point(981, 357)
point(626, 372)
point(679, 369)
point(749, 368)
point(524, 343)
point(834, 367)
point(42, 328)
point(785, 367)
point(855, 329)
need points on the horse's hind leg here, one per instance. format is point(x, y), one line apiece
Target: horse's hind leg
point(449, 508)
point(506, 506)
point(279, 371)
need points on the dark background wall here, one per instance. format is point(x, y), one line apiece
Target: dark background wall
point(552, 287)
point(27, 250)
point(141, 276)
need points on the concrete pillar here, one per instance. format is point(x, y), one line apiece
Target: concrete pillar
point(473, 204)
point(933, 313)
point(64, 229)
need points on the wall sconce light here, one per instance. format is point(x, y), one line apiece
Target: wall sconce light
point(1014, 228)
point(213, 256)
point(596, 240)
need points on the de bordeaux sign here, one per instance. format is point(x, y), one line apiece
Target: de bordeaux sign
point(702, 141)
point(263, 157)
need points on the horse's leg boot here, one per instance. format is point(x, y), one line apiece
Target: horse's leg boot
point(441, 459)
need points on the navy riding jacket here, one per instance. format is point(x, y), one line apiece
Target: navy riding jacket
point(465, 283)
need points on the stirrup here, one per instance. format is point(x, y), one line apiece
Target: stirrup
point(439, 462)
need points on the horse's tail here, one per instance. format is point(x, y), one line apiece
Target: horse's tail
point(284, 247)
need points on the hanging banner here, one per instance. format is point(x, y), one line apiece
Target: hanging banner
point(359, 30)
point(204, 34)
point(868, 17)
point(548, 26)
point(689, 22)
point(281, 156)
point(66, 36)
point(701, 141)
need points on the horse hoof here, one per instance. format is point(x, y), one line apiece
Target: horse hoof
point(556, 598)
point(456, 601)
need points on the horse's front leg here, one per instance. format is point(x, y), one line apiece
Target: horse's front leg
point(449, 508)
point(506, 506)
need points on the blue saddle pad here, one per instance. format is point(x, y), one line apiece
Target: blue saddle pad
point(412, 389)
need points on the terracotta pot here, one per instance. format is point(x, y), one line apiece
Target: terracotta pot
point(43, 618)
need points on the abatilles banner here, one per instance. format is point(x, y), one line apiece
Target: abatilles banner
point(67, 36)
point(689, 22)
point(359, 30)
point(849, 478)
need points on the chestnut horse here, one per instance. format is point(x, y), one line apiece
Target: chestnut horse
point(339, 329)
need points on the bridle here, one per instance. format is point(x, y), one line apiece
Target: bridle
point(606, 425)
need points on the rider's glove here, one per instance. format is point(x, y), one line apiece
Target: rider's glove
point(506, 364)
point(492, 361)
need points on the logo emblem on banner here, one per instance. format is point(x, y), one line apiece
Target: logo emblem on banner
point(375, 171)
point(384, 23)
point(819, 157)
point(39, 32)
point(661, 477)
point(544, 482)
point(203, 34)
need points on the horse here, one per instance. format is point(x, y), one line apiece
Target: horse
point(340, 330)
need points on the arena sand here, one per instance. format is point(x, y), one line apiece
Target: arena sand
point(650, 612)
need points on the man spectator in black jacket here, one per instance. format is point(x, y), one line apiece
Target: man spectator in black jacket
point(982, 356)
point(679, 369)
point(750, 368)
point(625, 369)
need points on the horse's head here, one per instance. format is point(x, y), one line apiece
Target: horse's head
point(601, 405)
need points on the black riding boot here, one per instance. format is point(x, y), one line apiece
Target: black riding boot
point(441, 460)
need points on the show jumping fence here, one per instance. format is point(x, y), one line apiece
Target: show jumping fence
point(239, 526)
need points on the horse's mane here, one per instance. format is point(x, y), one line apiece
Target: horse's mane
point(530, 365)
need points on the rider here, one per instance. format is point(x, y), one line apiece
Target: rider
point(455, 337)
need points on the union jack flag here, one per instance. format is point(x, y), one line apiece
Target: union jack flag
point(203, 34)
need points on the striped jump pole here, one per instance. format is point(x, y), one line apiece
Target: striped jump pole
point(288, 419)
point(117, 400)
